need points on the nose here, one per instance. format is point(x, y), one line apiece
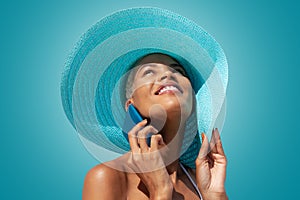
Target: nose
point(168, 75)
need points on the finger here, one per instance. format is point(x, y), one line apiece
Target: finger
point(132, 136)
point(213, 141)
point(156, 142)
point(204, 148)
point(219, 143)
point(143, 135)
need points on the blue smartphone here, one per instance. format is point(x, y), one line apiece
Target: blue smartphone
point(132, 118)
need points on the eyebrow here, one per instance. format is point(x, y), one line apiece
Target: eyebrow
point(146, 65)
point(178, 65)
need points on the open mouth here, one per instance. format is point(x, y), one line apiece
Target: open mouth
point(168, 88)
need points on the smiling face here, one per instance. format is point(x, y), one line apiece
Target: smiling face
point(160, 80)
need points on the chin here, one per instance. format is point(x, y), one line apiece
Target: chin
point(172, 106)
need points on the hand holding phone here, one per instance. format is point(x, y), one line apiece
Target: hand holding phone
point(132, 118)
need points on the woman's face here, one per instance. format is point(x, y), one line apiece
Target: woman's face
point(160, 80)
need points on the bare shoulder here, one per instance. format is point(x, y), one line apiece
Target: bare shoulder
point(102, 172)
point(103, 182)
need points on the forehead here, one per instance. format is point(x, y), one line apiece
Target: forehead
point(157, 58)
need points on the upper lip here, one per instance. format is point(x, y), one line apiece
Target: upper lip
point(168, 84)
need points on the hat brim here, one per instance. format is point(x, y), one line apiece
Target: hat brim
point(90, 83)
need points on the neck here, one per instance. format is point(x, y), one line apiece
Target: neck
point(175, 171)
point(172, 127)
point(173, 134)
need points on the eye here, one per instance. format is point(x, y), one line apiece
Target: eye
point(177, 68)
point(148, 72)
point(180, 70)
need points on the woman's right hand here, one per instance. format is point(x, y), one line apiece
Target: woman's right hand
point(147, 161)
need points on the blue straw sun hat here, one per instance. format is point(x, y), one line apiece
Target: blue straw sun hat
point(91, 90)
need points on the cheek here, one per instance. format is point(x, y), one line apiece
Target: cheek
point(142, 92)
point(188, 101)
point(142, 100)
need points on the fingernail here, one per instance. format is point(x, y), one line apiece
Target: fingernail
point(202, 135)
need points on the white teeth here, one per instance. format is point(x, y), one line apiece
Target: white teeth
point(168, 88)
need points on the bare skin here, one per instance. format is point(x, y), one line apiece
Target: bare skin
point(165, 181)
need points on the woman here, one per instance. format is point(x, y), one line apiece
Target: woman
point(177, 85)
point(170, 182)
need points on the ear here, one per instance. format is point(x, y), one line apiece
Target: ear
point(127, 103)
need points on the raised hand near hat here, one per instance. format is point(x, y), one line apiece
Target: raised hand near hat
point(147, 162)
point(211, 168)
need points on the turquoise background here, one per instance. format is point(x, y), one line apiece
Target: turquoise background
point(42, 156)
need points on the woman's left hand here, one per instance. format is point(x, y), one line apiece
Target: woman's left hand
point(211, 168)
